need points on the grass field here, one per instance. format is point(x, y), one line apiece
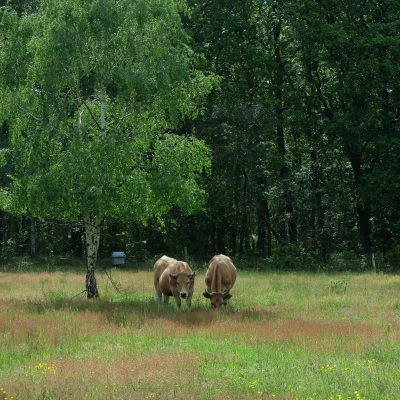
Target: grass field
point(285, 336)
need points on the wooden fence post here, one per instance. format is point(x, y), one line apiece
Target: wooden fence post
point(373, 262)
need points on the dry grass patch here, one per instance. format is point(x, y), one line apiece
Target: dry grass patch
point(154, 376)
point(273, 343)
point(314, 336)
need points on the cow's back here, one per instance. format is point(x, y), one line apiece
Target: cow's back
point(221, 266)
point(160, 266)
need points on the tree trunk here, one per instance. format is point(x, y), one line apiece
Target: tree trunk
point(243, 233)
point(236, 199)
point(292, 224)
point(2, 230)
point(261, 227)
point(92, 233)
point(33, 237)
point(317, 225)
point(285, 204)
point(362, 207)
point(220, 243)
point(269, 231)
point(213, 246)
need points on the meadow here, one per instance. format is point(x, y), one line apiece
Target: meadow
point(284, 336)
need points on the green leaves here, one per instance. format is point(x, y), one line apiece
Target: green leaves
point(101, 79)
point(176, 163)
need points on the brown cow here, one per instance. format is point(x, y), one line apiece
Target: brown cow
point(220, 278)
point(173, 278)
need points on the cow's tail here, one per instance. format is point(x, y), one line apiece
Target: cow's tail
point(216, 280)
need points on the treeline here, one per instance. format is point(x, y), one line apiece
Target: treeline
point(303, 127)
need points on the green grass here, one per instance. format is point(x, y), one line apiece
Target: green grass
point(285, 336)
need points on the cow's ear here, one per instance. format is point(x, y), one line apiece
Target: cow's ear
point(207, 295)
point(173, 276)
point(191, 276)
point(227, 296)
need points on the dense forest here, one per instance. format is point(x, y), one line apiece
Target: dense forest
point(264, 130)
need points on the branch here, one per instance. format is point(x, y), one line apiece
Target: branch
point(83, 291)
point(113, 283)
point(91, 114)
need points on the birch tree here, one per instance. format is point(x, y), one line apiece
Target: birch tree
point(92, 118)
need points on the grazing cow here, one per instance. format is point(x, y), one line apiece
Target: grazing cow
point(220, 278)
point(173, 278)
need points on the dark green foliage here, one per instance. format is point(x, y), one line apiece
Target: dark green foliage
point(304, 130)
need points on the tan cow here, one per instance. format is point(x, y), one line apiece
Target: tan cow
point(173, 278)
point(220, 278)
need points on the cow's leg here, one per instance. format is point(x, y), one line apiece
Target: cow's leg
point(158, 297)
point(177, 299)
point(166, 301)
point(189, 300)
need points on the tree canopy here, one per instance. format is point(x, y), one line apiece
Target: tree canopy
point(114, 111)
point(92, 118)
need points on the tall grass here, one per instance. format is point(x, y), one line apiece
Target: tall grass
point(284, 336)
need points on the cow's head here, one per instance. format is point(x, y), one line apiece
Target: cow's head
point(217, 299)
point(183, 282)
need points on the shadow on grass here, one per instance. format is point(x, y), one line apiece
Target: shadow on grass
point(128, 309)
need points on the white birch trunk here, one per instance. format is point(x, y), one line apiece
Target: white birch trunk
point(92, 234)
